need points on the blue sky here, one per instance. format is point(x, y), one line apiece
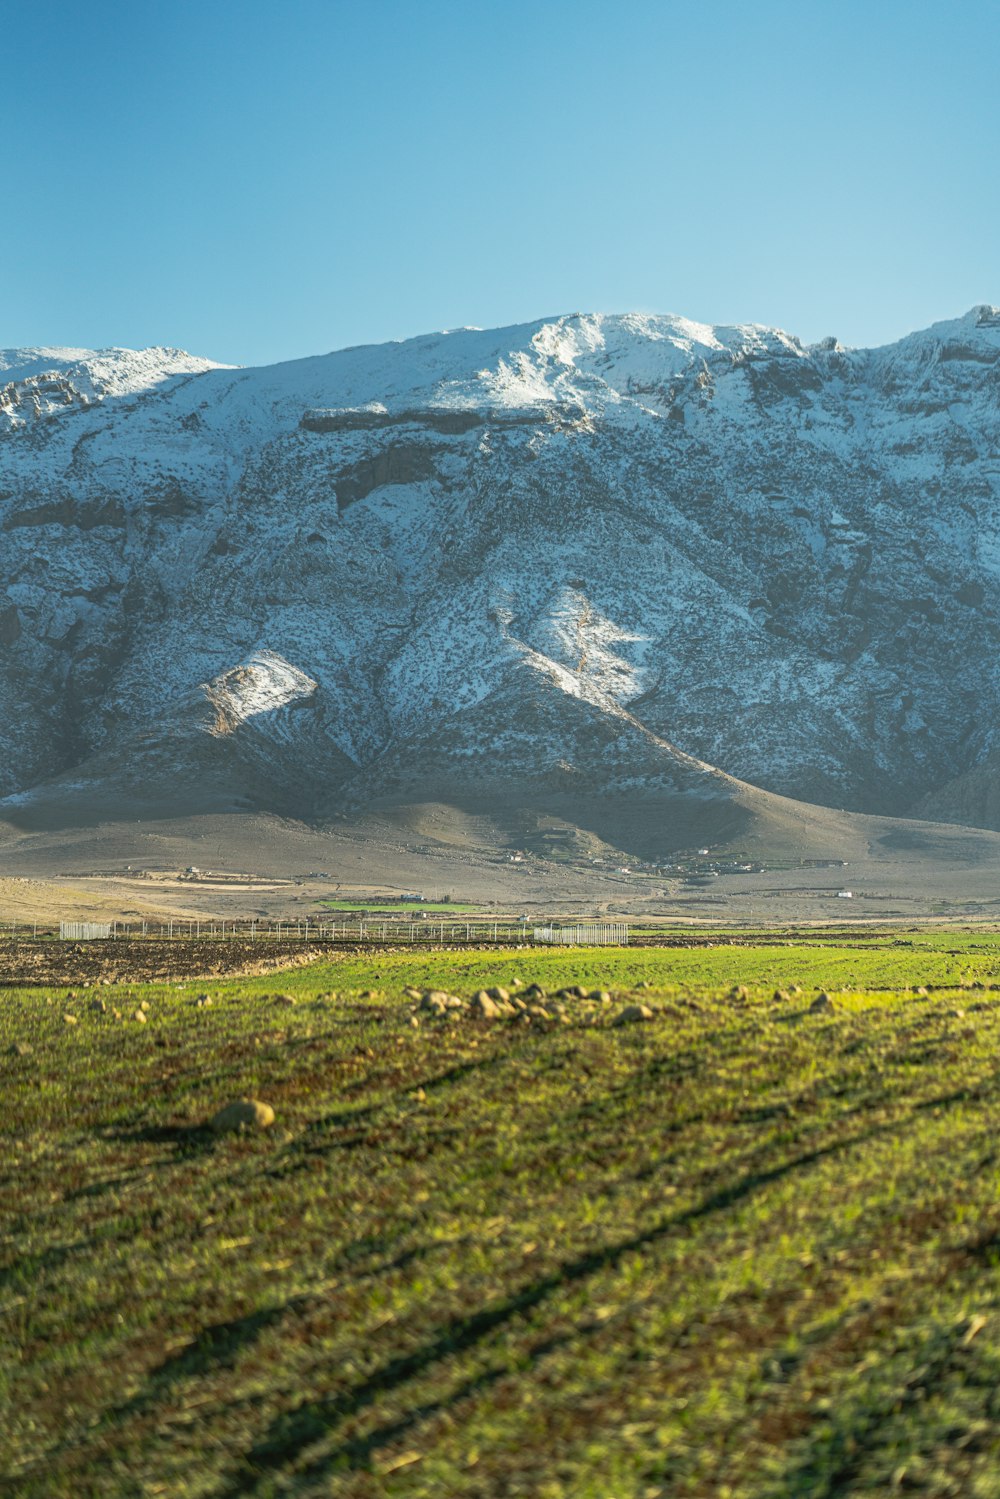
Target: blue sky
point(257, 181)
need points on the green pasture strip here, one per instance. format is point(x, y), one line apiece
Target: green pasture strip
point(389, 907)
point(740, 1249)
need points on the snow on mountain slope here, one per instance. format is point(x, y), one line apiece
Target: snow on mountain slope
point(601, 552)
point(37, 383)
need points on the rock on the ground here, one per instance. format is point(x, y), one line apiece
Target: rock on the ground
point(631, 1014)
point(245, 1113)
point(821, 1004)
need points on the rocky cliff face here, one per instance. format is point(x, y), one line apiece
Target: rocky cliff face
point(590, 556)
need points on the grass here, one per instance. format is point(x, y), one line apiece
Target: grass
point(388, 907)
point(738, 1250)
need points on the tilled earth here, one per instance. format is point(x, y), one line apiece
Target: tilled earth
point(148, 960)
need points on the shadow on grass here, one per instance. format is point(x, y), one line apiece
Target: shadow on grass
point(29, 1267)
point(313, 1138)
point(292, 1432)
point(186, 1139)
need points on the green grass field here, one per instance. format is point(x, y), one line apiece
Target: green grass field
point(391, 907)
point(738, 1250)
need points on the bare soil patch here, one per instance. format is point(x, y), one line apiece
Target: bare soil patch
point(147, 960)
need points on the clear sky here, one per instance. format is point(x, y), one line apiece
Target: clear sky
point(256, 180)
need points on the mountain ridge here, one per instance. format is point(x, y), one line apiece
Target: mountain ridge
point(575, 557)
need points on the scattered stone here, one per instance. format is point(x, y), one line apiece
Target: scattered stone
point(418, 1095)
point(202, 1001)
point(284, 999)
point(954, 1014)
point(539, 1012)
point(144, 1004)
point(534, 991)
point(499, 994)
point(821, 1004)
point(794, 989)
point(517, 1003)
point(71, 994)
point(572, 991)
point(739, 992)
point(632, 1013)
point(70, 1019)
point(517, 983)
point(22, 1049)
point(483, 1006)
point(247, 1113)
point(415, 1022)
point(921, 992)
point(600, 995)
point(412, 993)
point(433, 996)
point(780, 995)
point(140, 1015)
point(99, 1006)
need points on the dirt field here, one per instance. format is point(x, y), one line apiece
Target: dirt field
point(149, 961)
point(266, 867)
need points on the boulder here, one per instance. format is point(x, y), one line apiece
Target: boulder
point(483, 1006)
point(245, 1113)
point(631, 1014)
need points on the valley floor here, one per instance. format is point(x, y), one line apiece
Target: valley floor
point(745, 1246)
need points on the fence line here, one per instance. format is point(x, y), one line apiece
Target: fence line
point(305, 930)
point(584, 934)
point(84, 931)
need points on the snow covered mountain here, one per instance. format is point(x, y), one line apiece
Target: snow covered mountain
point(588, 558)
